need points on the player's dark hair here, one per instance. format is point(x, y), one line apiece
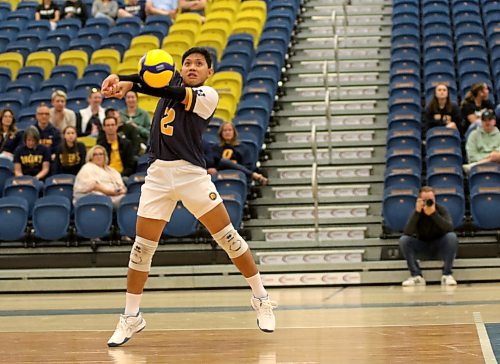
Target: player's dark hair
point(203, 51)
point(109, 111)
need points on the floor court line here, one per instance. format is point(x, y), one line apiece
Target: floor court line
point(484, 340)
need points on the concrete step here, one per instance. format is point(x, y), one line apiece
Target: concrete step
point(311, 257)
point(349, 46)
point(327, 31)
point(307, 212)
point(356, 65)
point(345, 79)
point(325, 19)
point(291, 235)
point(315, 94)
point(293, 192)
point(353, 11)
point(336, 107)
point(338, 123)
point(328, 53)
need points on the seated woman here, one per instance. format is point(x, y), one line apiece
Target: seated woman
point(475, 102)
point(228, 154)
point(32, 158)
point(105, 9)
point(10, 137)
point(50, 11)
point(70, 154)
point(135, 116)
point(441, 111)
point(99, 178)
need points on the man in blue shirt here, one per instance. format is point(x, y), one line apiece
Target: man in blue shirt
point(162, 7)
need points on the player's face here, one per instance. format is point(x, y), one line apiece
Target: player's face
point(195, 70)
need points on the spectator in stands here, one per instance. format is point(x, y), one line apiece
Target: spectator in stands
point(32, 158)
point(75, 9)
point(162, 7)
point(483, 145)
point(132, 8)
point(70, 155)
point(61, 117)
point(10, 137)
point(475, 102)
point(50, 11)
point(92, 116)
point(97, 177)
point(441, 111)
point(229, 154)
point(49, 135)
point(135, 116)
point(105, 9)
point(125, 130)
point(429, 230)
point(193, 6)
point(119, 149)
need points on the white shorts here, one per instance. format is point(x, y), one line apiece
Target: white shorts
point(170, 181)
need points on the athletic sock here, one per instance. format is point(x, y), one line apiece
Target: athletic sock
point(258, 289)
point(132, 303)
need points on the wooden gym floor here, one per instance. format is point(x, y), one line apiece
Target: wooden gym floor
point(376, 324)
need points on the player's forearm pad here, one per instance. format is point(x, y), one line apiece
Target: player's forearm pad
point(231, 241)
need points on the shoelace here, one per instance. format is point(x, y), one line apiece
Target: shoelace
point(267, 306)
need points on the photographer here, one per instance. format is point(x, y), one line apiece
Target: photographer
point(429, 230)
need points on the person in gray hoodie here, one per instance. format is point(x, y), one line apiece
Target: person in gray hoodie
point(483, 145)
point(105, 9)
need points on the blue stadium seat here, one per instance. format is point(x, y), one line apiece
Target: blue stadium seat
point(159, 20)
point(96, 34)
point(251, 157)
point(62, 36)
point(250, 130)
point(26, 117)
point(26, 187)
point(5, 77)
point(6, 172)
point(97, 70)
point(39, 97)
point(93, 216)
point(21, 47)
point(11, 101)
point(42, 25)
point(452, 197)
point(404, 158)
point(135, 182)
point(231, 181)
point(442, 137)
point(397, 206)
point(127, 214)
point(485, 207)
point(445, 176)
point(159, 31)
point(54, 84)
point(69, 72)
point(54, 46)
point(51, 216)
point(21, 87)
point(142, 163)
point(87, 83)
point(402, 178)
point(120, 44)
point(234, 206)
point(133, 23)
point(181, 224)
point(13, 218)
point(117, 104)
point(86, 45)
point(96, 23)
point(444, 157)
point(484, 175)
point(60, 185)
point(403, 138)
point(32, 73)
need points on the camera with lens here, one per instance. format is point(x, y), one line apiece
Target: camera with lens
point(428, 203)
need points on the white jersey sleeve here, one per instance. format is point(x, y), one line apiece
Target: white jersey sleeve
point(201, 100)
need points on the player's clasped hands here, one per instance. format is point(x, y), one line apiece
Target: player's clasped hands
point(111, 87)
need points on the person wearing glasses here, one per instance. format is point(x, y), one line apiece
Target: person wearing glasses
point(97, 177)
point(177, 171)
point(49, 135)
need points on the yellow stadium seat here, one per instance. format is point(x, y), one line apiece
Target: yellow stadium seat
point(13, 61)
point(177, 41)
point(76, 58)
point(228, 82)
point(127, 68)
point(215, 40)
point(254, 5)
point(176, 54)
point(251, 15)
point(148, 103)
point(218, 18)
point(188, 33)
point(133, 55)
point(216, 27)
point(251, 26)
point(226, 108)
point(231, 6)
point(145, 42)
point(191, 19)
point(88, 141)
point(44, 59)
point(13, 3)
point(110, 57)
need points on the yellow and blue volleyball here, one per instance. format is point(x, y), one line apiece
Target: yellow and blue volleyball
point(156, 68)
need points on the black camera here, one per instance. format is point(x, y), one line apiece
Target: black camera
point(429, 203)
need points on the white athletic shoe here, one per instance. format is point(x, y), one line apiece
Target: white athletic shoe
point(127, 326)
point(414, 281)
point(265, 315)
point(448, 280)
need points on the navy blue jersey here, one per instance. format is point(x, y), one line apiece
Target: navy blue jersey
point(71, 161)
point(31, 160)
point(177, 127)
point(50, 137)
point(9, 143)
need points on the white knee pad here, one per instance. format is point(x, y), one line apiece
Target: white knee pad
point(231, 241)
point(142, 254)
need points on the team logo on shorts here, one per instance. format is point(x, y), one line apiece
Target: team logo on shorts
point(212, 196)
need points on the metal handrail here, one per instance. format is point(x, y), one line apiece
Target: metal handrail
point(337, 66)
point(334, 22)
point(328, 116)
point(344, 9)
point(314, 144)
point(314, 187)
point(325, 74)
